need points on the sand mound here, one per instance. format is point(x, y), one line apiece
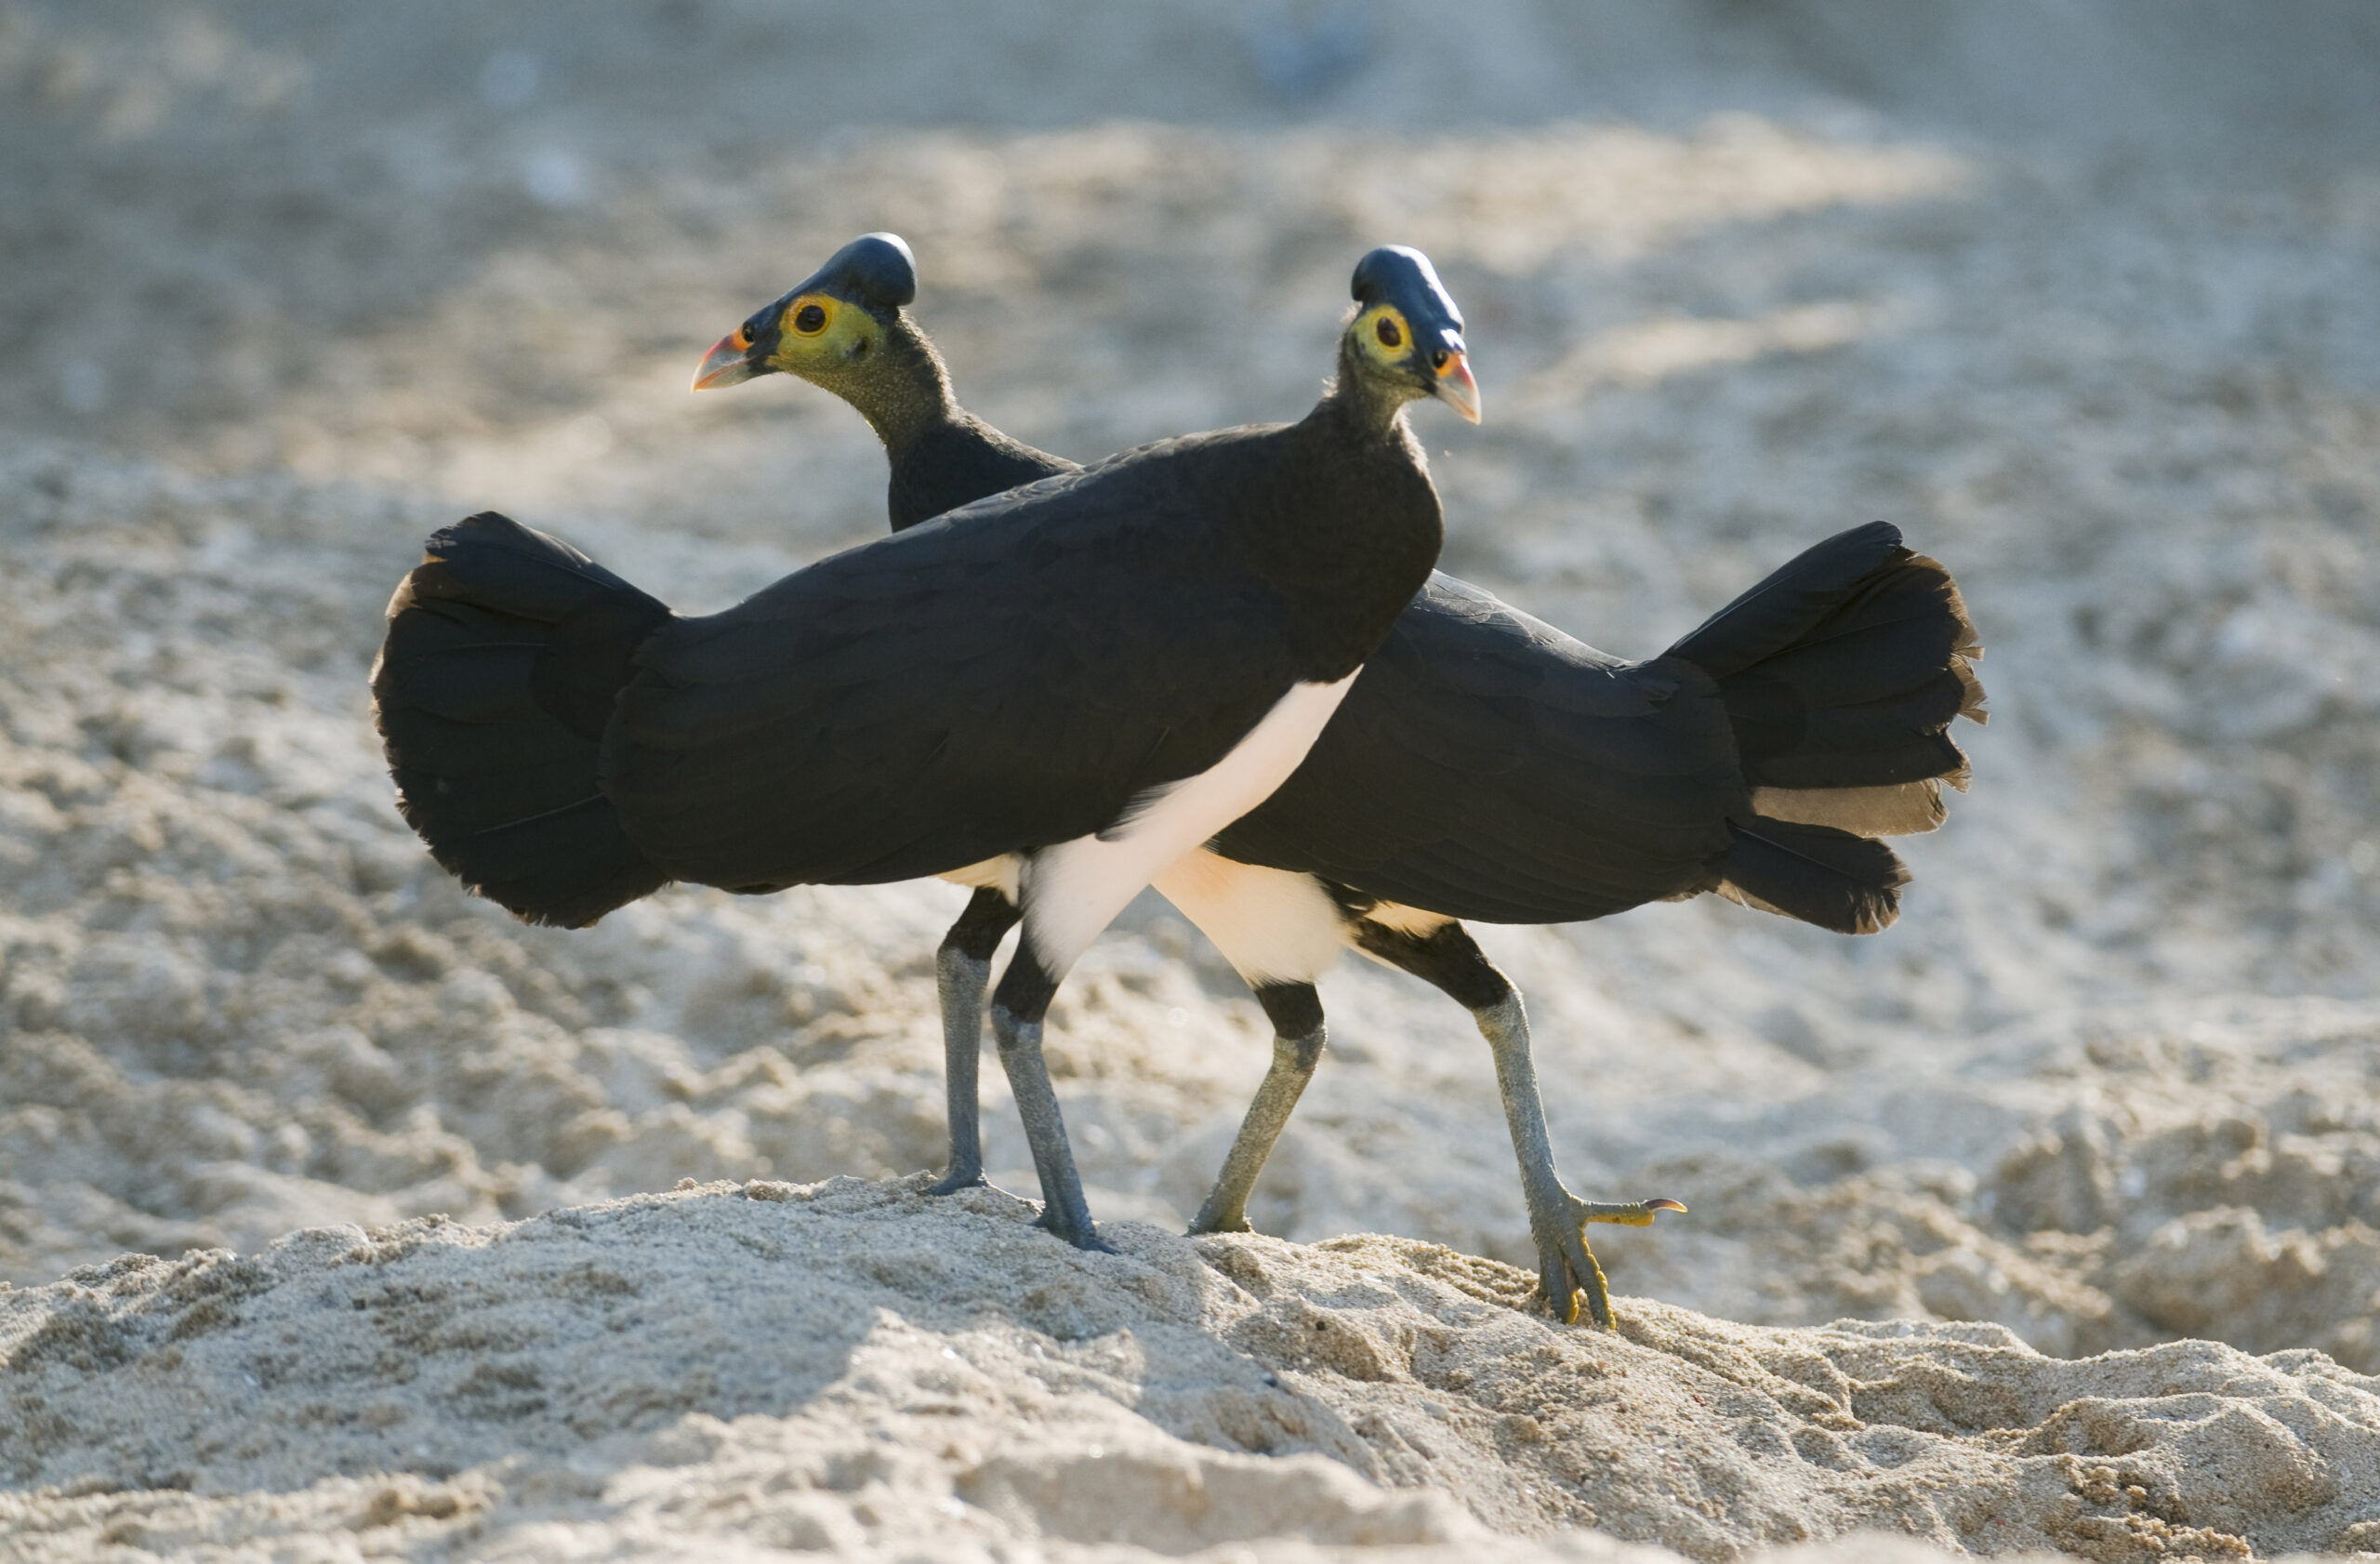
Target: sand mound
point(854, 1366)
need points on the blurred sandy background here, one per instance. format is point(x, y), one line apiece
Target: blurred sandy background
point(2084, 297)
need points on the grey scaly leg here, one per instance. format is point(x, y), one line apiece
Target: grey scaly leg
point(1018, 1007)
point(1565, 1265)
point(1448, 958)
point(1296, 1013)
point(962, 970)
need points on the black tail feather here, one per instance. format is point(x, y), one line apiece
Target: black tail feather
point(505, 650)
point(1815, 873)
point(1794, 602)
point(1842, 673)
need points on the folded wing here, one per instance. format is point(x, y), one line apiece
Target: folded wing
point(1510, 774)
point(890, 712)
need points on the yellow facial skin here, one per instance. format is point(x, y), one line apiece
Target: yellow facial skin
point(819, 334)
point(1383, 335)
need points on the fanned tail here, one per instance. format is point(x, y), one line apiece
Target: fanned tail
point(1815, 873)
point(505, 649)
point(1842, 673)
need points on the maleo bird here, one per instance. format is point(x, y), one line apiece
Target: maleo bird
point(1074, 684)
point(1483, 765)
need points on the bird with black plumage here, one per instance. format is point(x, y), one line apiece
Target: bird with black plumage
point(1483, 765)
point(1064, 688)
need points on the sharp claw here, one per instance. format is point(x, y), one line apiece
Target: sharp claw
point(1623, 1214)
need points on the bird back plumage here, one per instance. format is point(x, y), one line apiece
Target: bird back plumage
point(958, 462)
point(1488, 766)
point(1008, 676)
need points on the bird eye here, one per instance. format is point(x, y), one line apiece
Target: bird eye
point(1388, 333)
point(809, 320)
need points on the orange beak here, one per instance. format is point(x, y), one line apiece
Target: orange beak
point(725, 363)
point(1456, 388)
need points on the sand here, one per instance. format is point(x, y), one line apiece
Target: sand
point(729, 1371)
point(2085, 303)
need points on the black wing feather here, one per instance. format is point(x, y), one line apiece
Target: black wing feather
point(1487, 765)
point(742, 734)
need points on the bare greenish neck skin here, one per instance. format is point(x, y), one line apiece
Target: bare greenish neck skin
point(900, 387)
point(1363, 399)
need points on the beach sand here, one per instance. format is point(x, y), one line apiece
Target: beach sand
point(2049, 1219)
point(729, 1371)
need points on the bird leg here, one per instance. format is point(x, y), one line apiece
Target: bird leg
point(1018, 1007)
point(1451, 959)
point(1296, 1014)
point(1565, 1267)
point(963, 969)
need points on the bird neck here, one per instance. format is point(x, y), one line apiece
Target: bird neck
point(1361, 401)
point(906, 397)
point(1340, 519)
point(940, 456)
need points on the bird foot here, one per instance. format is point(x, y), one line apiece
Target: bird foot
point(1568, 1274)
point(1568, 1277)
point(1236, 1223)
point(957, 1179)
point(1083, 1237)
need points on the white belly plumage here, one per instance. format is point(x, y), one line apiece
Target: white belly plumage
point(1272, 926)
point(1073, 890)
point(993, 874)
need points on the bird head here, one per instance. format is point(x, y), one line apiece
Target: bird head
point(832, 321)
point(1405, 337)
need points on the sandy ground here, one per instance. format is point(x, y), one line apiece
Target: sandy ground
point(2085, 297)
point(944, 1383)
